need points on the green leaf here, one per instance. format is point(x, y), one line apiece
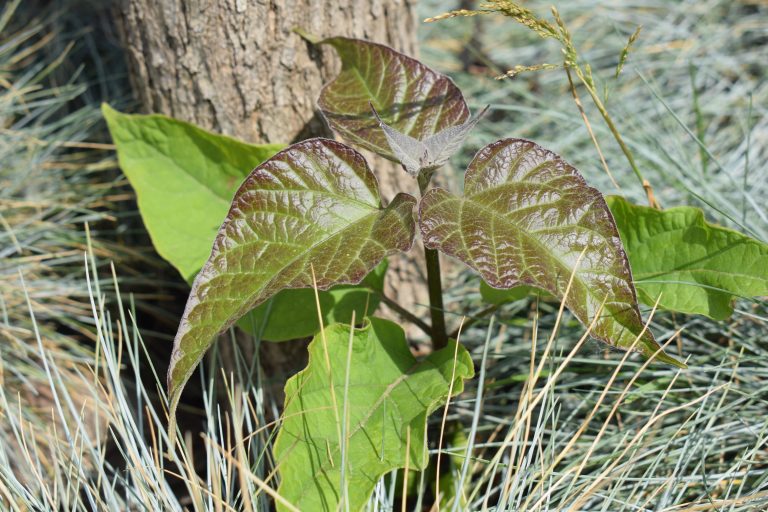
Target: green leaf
point(314, 205)
point(499, 296)
point(694, 266)
point(184, 178)
point(292, 314)
point(382, 405)
point(410, 97)
point(525, 219)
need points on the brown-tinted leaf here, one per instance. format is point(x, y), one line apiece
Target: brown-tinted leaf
point(525, 219)
point(410, 97)
point(315, 204)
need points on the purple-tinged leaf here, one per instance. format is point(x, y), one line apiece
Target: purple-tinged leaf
point(428, 154)
point(525, 219)
point(313, 205)
point(410, 97)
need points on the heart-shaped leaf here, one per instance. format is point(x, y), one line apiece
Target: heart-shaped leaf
point(389, 393)
point(692, 266)
point(314, 205)
point(526, 218)
point(411, 98)
point(185, 178)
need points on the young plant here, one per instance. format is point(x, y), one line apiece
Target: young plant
point(311, 218)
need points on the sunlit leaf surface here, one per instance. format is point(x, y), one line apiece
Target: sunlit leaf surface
point(184, 178)
point(526, 218)
point(314, 205)
point(389, 393)
point(410, 97)
point(692, 265)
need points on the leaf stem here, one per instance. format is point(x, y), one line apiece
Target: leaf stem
point(405, 314)
point(435, 287)
point(480, 315)
point(434, 284)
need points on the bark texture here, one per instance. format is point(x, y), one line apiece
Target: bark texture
point(237, 67)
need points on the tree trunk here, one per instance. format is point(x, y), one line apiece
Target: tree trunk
point(237, 67)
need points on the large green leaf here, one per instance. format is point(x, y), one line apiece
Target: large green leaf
point(314, 205)
point(525, 219)
point(410, 97)
point(692, 265)
point(292, 314)
point(184, 178)
point(388, 393)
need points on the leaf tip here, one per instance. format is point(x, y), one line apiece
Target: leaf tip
point(174, 396)
point(663, 357)
point(108, 112)
point(310, 38)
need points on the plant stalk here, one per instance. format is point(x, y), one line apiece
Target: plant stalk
point(405, 314)
point(434, 283)
point(615, 131)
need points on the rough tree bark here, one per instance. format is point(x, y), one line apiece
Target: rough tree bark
point(235, 66)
